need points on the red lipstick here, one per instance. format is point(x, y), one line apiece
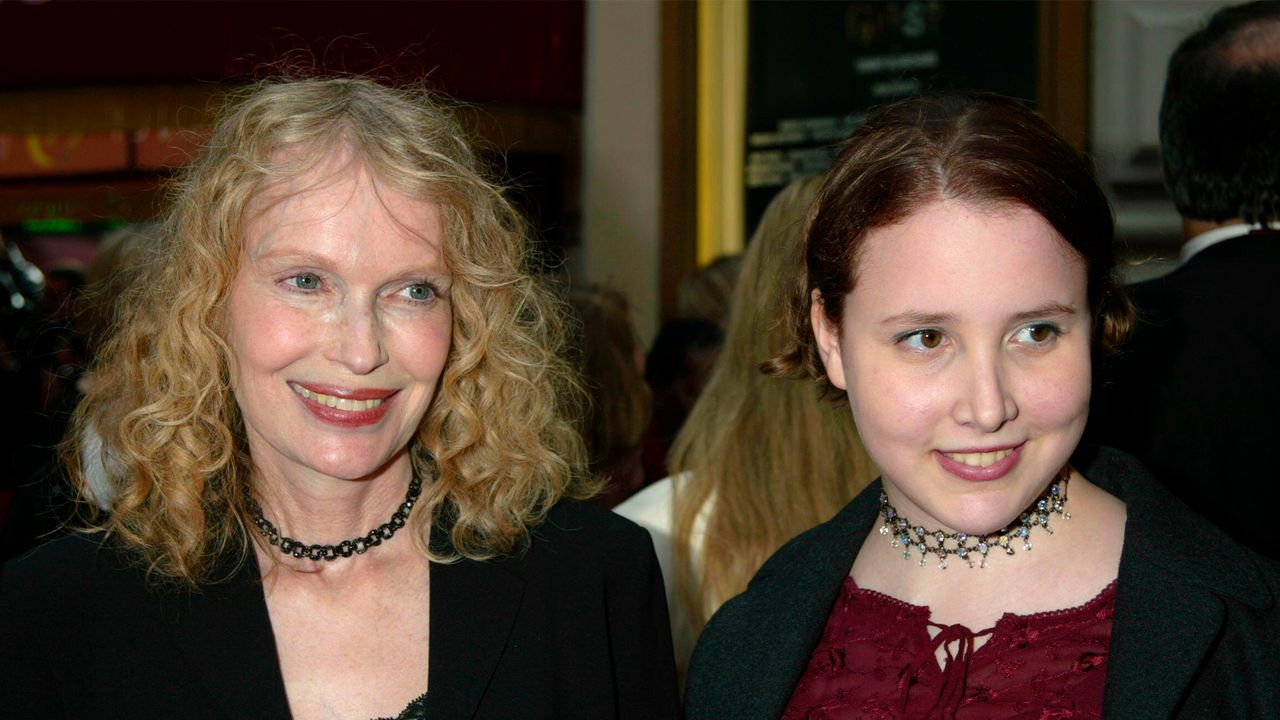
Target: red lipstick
point(342, 417)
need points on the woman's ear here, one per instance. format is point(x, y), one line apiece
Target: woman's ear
point(827, 336)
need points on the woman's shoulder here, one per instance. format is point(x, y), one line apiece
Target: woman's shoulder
point(65, 565)
point(806, 569)
point(579, 531)
point(757, 644)
point(835, 540)
point(1163, 528)
point(580, 548)
point(651, 507)
point(68, 588)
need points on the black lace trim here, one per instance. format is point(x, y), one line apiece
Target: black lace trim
point(416, 710)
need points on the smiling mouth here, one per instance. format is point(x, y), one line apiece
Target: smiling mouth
point(980, 459)
point(337, 403)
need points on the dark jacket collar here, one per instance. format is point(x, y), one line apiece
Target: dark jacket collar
point(224, 631)
point(786, 608)
point(473, 608)
point(1175, 572)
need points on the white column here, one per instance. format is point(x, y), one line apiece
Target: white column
point(621, 166)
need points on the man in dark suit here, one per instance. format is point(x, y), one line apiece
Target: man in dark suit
point(1196, 394)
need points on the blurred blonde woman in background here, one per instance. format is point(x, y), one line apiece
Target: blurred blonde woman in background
point(759, 460)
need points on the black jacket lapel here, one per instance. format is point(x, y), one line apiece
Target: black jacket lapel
point(473, 608)
point(224, 632)
point(794, 591)
point(1169, 596)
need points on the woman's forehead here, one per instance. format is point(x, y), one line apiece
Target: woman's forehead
point(957, 254)
point(954, 230)
point(336, 196)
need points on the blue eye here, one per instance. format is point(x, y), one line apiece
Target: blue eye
point(1037, 334)
point(419, 292)
point(304, 281)
point(923, 340)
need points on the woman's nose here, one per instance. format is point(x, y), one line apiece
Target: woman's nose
point(356, 340)
point(984, 400)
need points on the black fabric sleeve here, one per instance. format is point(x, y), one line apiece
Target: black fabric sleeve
point(640, 632)
point(27, 685)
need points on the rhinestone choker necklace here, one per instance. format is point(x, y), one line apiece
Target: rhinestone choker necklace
point(358, 546)
point(944, 544)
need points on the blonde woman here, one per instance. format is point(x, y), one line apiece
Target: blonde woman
point(759, 460)
point(341, 334)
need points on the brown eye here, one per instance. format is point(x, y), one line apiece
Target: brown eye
point(1041, 334)
point(920, 341)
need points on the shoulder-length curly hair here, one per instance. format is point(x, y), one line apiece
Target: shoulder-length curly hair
point(496, 448)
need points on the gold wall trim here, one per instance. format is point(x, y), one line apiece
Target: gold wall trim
point(1063, 72)
point(722, 108)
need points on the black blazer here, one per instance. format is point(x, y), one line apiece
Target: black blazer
point(574, 628)
point(1195, 634)
point(1195, 394)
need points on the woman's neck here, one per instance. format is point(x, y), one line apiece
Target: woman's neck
point(316, 509)
point(1064, 569)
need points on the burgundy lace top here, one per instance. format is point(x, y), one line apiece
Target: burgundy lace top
point(877, 660)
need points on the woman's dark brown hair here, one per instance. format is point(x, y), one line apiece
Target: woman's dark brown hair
point(978, 148)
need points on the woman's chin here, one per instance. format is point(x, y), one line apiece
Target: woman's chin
point(353, 463)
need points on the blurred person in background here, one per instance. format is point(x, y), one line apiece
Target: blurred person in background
point(707, 294)
point(676, 370)
point(121, 258)
point(44, 495)
point(21, 379)
point(1195, 394)
point(759, 459)
point(608, 354)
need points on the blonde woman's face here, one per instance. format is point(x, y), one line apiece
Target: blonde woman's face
point(965, 352)
point(339, 323)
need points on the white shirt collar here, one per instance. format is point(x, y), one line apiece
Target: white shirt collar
point(1212, 237)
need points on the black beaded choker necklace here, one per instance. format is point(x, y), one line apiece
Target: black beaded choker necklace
point(964, 546)
point(346, 548)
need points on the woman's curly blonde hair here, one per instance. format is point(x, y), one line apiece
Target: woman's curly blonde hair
point(496, 448)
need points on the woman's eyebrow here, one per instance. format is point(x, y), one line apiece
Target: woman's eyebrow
point(290, 255)
point(1047, 310)
point(916, 317)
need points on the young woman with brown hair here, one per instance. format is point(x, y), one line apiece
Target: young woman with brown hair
point(958, 273)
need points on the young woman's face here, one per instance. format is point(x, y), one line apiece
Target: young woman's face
point(339, 323)
point(965, 352)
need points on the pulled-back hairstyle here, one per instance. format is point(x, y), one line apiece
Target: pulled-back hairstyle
point(974, 147)
point(495, 448)
point(772, 457)
point(1220, 117)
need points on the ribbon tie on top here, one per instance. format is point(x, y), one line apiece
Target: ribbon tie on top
point(955, 671)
